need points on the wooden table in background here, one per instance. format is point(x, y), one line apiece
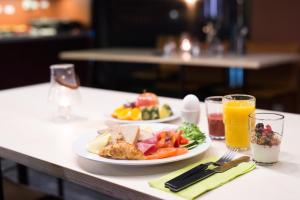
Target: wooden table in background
point(248, 61)
point(235, 63)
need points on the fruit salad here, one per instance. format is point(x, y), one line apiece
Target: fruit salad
point(145, 107)
point(264, 135)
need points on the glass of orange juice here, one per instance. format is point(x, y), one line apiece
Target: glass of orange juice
point(236, 109)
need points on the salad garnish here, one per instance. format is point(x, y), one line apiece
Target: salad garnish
point(192, 132)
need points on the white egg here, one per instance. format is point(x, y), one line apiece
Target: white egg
point(191, 103)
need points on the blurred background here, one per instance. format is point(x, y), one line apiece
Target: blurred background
point(33, 33)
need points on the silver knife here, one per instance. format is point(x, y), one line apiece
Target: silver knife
point(179, 185)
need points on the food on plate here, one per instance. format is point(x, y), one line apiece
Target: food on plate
point(265, 144)
point(126, 113)
point(193, 133)
point(150, 113)
point(131, 142)
point(146, 99)
point(165, 111)
point(130, 134)
point(122, 143)
point(122, 150)
point(146, 107)
point(99, 143)
point(114, 131)
point(145, 134)
point(166, 152)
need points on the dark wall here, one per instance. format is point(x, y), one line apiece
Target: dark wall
point(139, 23)
point(26, 61)
point(275, 21)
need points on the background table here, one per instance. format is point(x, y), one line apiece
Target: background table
point(28, 136)
point(152, 56)
point(248, 61)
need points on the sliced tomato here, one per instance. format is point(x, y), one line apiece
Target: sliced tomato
point(177, 143)
point(183, 140)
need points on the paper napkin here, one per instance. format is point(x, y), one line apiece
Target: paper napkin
point(203, 186)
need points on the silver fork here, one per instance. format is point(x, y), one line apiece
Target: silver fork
point(228, 156)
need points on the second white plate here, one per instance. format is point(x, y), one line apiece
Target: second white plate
point(167, 119)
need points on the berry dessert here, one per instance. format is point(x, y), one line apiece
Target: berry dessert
point(265, 144)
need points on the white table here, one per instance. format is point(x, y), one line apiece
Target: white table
point(29, 137)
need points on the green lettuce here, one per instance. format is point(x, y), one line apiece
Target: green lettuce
point(192, 132)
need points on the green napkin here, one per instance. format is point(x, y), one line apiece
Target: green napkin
point(205, 185)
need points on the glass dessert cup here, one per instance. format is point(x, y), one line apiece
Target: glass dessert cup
point(236, 109)
point(266, 131)
point(214, 112)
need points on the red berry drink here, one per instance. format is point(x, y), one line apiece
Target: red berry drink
point(216, 126)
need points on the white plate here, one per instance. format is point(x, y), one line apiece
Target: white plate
point(167, 119)
point(80, 144)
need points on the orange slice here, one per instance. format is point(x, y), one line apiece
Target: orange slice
point(135, 114)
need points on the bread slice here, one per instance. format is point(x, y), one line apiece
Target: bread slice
point(115, 132)
point(130, 133)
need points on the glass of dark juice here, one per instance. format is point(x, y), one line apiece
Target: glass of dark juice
point(214, 111)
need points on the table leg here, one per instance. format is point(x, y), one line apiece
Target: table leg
point(22, 174)
point(1, 182)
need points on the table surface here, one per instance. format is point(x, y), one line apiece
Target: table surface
point(30, 137)
point(248, 61)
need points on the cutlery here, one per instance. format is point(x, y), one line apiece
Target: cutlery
point(190, 180)
point(225, 158)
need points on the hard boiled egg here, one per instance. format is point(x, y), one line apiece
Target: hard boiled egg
point(191, 103)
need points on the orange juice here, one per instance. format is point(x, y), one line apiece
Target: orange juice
point(236, 112)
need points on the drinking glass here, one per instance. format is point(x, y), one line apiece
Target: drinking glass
point(214, 112)
point(63, 91)
point(266, 131)
point(236, 109)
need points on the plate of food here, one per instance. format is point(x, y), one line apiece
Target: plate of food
point(142, 144)
point(145, 108)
